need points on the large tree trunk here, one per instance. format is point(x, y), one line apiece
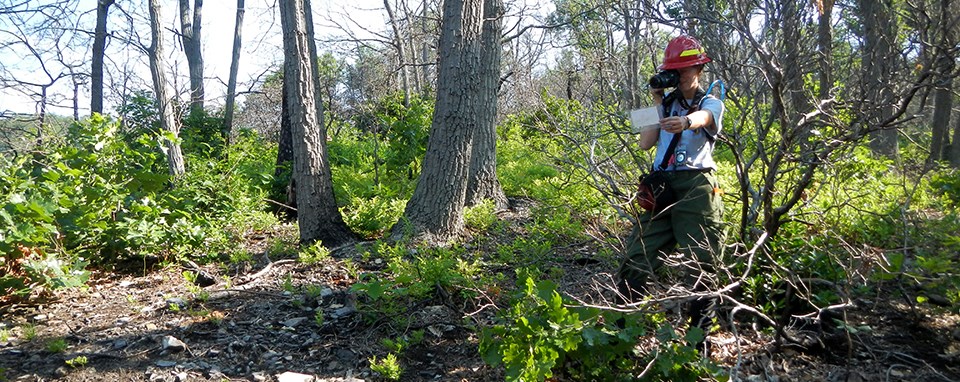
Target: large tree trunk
point(190, 35)
point(99, 46)
point(879, 61)
point(232, 81)
point(317, 214)
point(167, 120)
point(283, 171)
point(435, 211)
point(483, 183)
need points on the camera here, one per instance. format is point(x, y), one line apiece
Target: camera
point(665, 79)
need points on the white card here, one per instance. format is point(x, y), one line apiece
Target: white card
point(644, 119)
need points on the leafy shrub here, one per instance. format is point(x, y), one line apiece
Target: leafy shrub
point(388, 367)
point(543, 336)
point(481, 216)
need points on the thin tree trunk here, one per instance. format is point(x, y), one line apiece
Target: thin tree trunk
point(317, 215)
point(825, 43)
point(99, 46)
point(435, 211)
point(942, 109)
point(232, 81)
point(167, 121)
point(190, 35)
point(483, 182)
point(401, 59)
point(943, 94)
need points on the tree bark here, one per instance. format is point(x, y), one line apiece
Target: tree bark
point(401, 58)
point(167, 121)
point(99, 46)
point(435, 211)
point(942, 109)
point(190, 36)
point(318, 216)
point(232, 81)
point(283, 171)
point(879, 34)
point(483, 182)
point(825, 44)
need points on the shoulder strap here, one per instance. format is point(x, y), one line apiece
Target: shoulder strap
point(669, 153)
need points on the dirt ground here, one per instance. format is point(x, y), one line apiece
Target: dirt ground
point(260, 324)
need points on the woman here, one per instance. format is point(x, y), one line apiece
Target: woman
point(685, 142)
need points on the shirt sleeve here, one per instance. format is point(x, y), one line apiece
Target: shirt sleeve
point(715, 107)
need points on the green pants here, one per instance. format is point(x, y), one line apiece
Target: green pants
point(692, 227)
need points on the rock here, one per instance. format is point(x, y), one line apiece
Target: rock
point(343, 312)
point(120, 343)
point(269, 355)
point(290, 376)
point(204, 279)
point(151, 327)
point(164, 363)
point(259, 376)
point(172, 344)
point(123, 321)
point(40, 317)
point(181, 377)
point(215, 374)
point(176, 301)
point(293, 322)
point(61, 372)
point(939, 300)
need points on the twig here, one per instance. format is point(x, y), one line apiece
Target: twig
point(265, 269)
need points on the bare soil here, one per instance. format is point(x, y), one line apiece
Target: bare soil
point(260, 322)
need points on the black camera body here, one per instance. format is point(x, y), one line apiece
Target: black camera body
point(665, 79)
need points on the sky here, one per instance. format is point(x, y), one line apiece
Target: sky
point(261, 45)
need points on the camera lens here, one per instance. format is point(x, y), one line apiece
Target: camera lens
point(665, 79)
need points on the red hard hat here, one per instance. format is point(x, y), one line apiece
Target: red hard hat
point(683, 51)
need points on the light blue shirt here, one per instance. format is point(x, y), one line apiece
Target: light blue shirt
point(695, 149)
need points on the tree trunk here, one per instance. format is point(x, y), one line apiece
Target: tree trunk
point(435, 211)
point(318, 216)
point(483, 182)
point(879, 34)
point(167, 120)
point(942, 108)
point(283, 172)
point(955, 147)
point(945, 63)
point(190, 35)
point(99, 46)
point(401, 59)
point(825, 44)
point(232, 81)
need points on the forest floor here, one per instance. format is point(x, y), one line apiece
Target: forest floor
point(259, 324)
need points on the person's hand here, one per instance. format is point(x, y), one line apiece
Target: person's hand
point(674, 124)
point(657, 95)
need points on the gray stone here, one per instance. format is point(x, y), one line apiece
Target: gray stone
point(176, 301)
point(343, 312)
point(293, 322)
point(290, 376)
point(259, 376)
point(181, 376)
point(172, 344)
point(164, 363)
